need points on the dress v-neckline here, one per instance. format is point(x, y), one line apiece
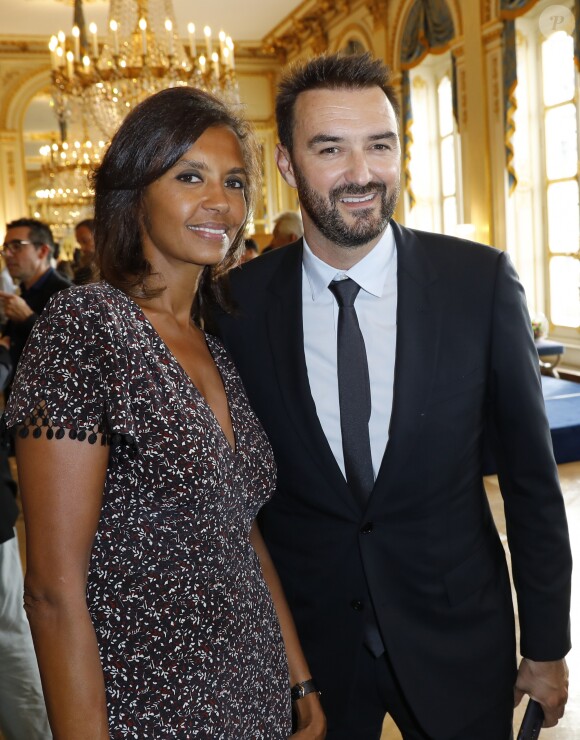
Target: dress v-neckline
point(185, 376)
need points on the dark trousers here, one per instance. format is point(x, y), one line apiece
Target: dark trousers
point(377, 693)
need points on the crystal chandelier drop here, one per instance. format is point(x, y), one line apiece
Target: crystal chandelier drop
point(65, 190)
point(141, 55)
point(65, 171)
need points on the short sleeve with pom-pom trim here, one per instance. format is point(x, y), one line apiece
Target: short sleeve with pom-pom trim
point(70, 380)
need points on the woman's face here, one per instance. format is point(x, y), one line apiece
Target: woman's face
point(193, 212)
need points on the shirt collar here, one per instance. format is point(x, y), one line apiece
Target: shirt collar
point(370, 273)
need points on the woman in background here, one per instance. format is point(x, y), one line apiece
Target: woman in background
point(142, 467)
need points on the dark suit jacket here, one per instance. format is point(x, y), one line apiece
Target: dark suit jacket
point(425, 549)
point(37, 298)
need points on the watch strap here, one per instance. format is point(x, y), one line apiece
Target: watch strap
point(302, 689)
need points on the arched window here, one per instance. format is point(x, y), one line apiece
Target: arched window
point(429, 134)
point(353, 46)
point(434, 153)
point(544, 210)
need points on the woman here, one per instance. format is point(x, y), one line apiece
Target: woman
point(142, 467)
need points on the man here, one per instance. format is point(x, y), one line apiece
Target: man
point(85, 236)
point(399, 586)
point(251, 250)
point(85, 270)
point(287, 229)
point(22, 710)
point(28, 247)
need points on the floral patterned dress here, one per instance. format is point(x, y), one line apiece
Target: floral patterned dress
point(187, 633)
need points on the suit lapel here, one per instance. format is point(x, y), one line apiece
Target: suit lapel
point(286, 337)
point(418, 332)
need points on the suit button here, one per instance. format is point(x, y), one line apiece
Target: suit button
point(357, 605)
point(367, 528)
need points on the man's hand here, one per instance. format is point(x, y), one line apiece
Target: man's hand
point(311, 719)
point(547, 683)
point(15, 307)
point(5, 342)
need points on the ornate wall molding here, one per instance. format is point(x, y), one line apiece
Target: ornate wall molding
point(10, 46)
point(354, 31)
point(489, 11)
point(17, 95)
point(308, 27)
point(492, 33)
point(378, 11)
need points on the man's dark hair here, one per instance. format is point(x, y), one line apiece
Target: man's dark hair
point(332, 72)
point(38, 232)
point(151, 140)
point(88, 223)
point(251, 244)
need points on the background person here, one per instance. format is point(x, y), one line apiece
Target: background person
point(287, 229)
point(250, 250)
point(417, 343)
point(22, 710)
point(85, 236)
point(27, 250)
point(146, 582)
point(85, 270)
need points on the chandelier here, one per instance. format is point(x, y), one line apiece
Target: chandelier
point(65, 170)
point(65, 194)
point(141, 55)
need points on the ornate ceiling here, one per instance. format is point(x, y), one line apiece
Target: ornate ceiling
point(245, 20)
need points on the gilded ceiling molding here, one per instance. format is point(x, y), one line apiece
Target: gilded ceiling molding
point(41, 136)
point(17, 96)
point(9, 46)
point(354, 31)
point(378, 11)
point(308, 26)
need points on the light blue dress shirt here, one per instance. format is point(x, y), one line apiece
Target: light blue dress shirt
point(376, 308)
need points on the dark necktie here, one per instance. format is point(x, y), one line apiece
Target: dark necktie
point(354, 392)
point(354, 395)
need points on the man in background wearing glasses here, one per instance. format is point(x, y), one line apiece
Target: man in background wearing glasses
point(27, 249)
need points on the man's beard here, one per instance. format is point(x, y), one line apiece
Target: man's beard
point(328, 220)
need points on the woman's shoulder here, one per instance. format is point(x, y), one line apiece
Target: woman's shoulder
point(91, 294)
point(94, 300)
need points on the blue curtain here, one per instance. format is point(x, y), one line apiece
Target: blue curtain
point(510, 10)
point(429, 27)
point(510, 81)
point(455, 99)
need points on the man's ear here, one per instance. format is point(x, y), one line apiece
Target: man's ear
point(44, 251)
point(285, 165)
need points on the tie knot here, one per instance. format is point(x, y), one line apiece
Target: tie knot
point(345, 291)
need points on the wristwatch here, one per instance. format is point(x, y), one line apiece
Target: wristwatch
point(300, 690)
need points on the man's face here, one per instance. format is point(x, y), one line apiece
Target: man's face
point(86, 240)
point(345, 165)
point(27, 261)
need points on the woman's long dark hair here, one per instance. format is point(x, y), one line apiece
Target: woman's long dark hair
point(151, 140)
